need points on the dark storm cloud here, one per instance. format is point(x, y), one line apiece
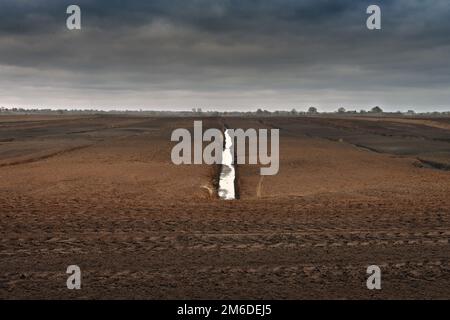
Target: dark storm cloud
point(240, 53)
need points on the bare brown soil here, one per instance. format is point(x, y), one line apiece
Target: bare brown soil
point(101, 192)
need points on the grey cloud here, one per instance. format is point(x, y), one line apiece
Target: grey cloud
point(220, 50)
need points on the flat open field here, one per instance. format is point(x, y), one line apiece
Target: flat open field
point(101, 192)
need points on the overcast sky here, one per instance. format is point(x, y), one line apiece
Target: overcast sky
point(225, 54)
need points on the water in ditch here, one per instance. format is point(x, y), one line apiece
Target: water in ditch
point(228, 173)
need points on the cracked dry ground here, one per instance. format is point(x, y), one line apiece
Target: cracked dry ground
point(101, 193)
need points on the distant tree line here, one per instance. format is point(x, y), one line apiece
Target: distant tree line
point(311, 111)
